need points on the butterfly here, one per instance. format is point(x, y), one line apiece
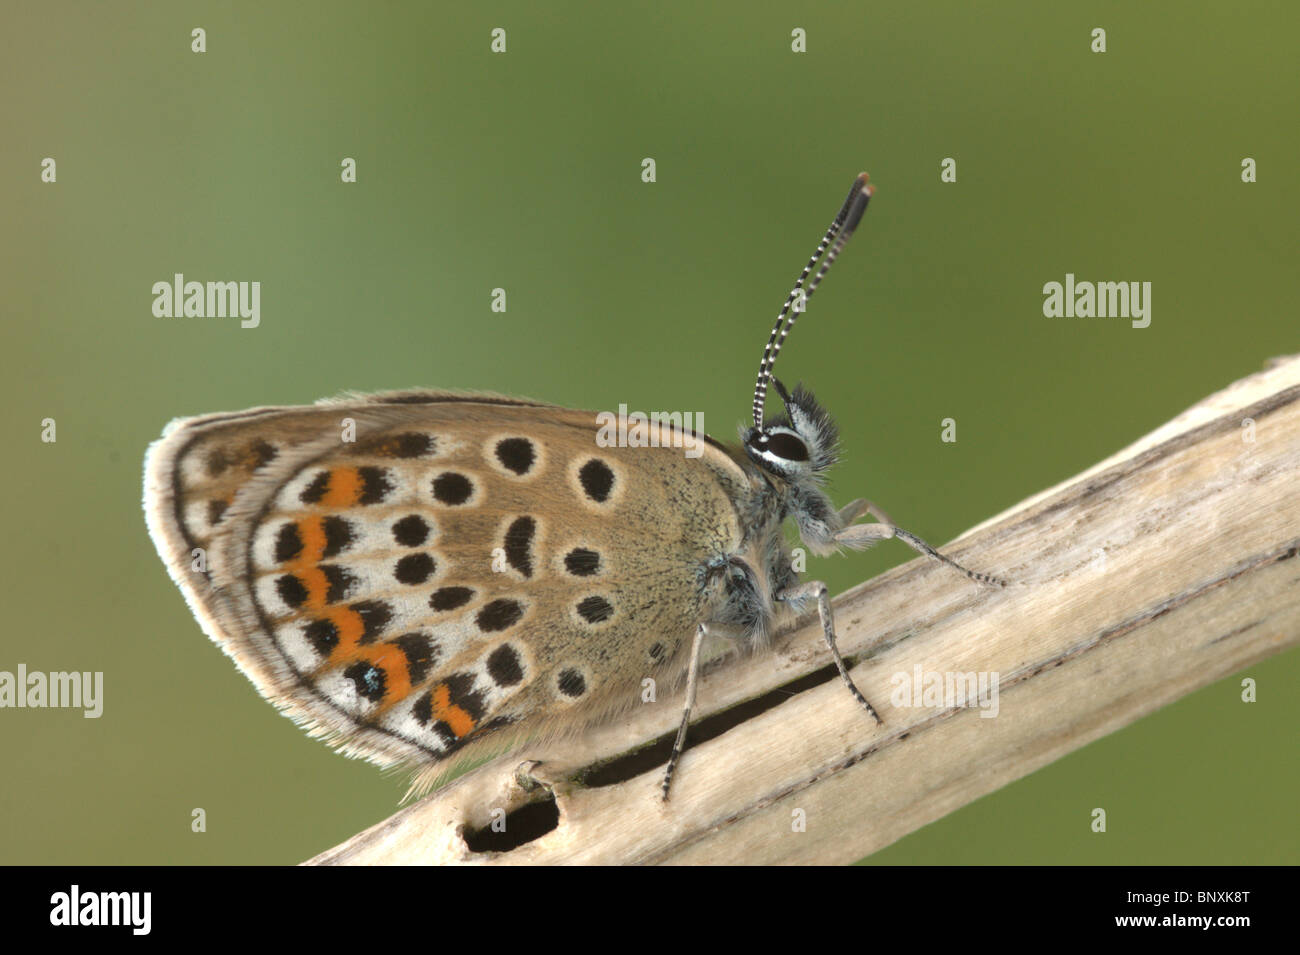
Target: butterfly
point(427, 577)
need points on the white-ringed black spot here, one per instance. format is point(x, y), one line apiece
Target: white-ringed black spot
point(504, 666)
point(516, 454)
point(314, 491)
point(449, 598)
point(369, 680)
point(571, 683)
point(595, 609)
point(452, 488)
point(415, 568)
point(411, 531)
point(582, 562)
point(519, 544)
point(597, 480)
point(291, 590)
point(288, 543)
point(499, 614)
point(323, 635)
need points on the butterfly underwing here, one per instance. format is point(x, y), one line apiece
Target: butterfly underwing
point(427, 577)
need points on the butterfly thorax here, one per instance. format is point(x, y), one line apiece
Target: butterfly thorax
point(746, 583)
point(784, 462)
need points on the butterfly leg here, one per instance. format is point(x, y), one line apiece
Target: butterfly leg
point(692, 676)
point(854, 509)
point(860, 536)
point(795, 596)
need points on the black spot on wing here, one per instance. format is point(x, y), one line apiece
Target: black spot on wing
point(504, 666)
point(449, 598)
point(369, 680)
point(582, 562)
point(291, 590)
point(422, 710)
point(452, 488)
point(375, 616)
point(461, 692)
point(516, 454)
point(571, 683)
point(595, 609)
point(499, 614)
point(411, 531)
point(339, 580)
point(314, 491)
point(421, 654)
point(217, 462)
point(415, 568)
point(519, 543)
point(323, 635)
point(338, 535)
point(375, 485)
point(597, 480)
point(261, 454)
point(288, 543)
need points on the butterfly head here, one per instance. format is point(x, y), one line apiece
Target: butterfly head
point(798, 445)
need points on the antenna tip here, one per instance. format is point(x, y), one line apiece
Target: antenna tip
point(856, 204)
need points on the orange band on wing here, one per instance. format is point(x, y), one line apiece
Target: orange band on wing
point(351, 628)
point(311, 531)
point(460, 722)
point(344, 488)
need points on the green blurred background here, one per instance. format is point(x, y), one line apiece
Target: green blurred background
point(522, 171)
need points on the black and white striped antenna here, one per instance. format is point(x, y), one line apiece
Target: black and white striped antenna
point(846, 220)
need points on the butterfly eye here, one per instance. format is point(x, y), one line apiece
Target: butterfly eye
point(785, 446)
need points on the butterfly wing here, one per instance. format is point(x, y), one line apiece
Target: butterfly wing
point(409, 575)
